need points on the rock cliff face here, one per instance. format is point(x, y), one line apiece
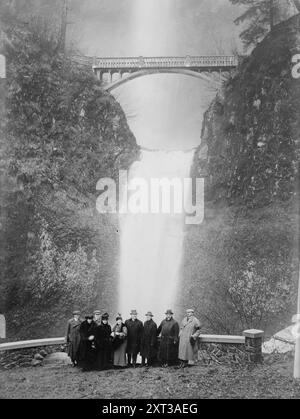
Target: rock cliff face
point(63, 133)
point(245, 253)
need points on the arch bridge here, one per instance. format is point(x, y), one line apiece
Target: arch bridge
point(114, 71)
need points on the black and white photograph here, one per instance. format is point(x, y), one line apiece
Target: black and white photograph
point(149, 202)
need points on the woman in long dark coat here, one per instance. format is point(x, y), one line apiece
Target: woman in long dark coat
point(73, 337)
point(169, 331)
point(87, 348)
point(103, 343)
point(149, 341)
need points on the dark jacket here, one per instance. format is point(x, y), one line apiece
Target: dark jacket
point(149, 340)
point(87, 348)
point(102, 336)
point(168, 349)
point(134, 336)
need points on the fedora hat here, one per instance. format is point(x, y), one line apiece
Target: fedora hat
point(169, 311)
point(149, 313)
point(133, 312)
point(76, 312)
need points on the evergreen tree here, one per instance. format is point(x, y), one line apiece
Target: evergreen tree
point(260, 13)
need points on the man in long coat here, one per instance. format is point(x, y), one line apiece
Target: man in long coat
point(189, 332)
point(134, 338)
point(103, 343)
point(149, 341)
point(168, 349)
point(87, 344)
point(73, 337)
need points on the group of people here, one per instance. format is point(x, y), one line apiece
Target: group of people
point(94, 344)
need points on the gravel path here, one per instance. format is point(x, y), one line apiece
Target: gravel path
point(266, 381)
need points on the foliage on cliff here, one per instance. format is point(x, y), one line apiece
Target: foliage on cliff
point(63, 133)
point(241, 265)
point(250, 139)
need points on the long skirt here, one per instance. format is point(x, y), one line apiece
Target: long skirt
point(103, 358)
point(120, 356)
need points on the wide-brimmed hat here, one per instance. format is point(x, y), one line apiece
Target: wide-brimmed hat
point(169, 311)
point(76, 312)
point(149, 313)
point(89, 317)
point(97, 312)
point(133, 312)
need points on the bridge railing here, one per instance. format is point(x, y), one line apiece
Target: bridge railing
point(162, 62)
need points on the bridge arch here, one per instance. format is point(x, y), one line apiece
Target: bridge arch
point(142, 73)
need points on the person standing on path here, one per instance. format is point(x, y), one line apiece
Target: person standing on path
point(103, 343)
point(119, 343)
point(87, 344)
point(149, 341)
point(168, 349)
point(134, 338)
point(73, 337)
point(188, 346)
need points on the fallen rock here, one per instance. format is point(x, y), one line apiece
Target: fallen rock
point(36, 363)
point(38, 357)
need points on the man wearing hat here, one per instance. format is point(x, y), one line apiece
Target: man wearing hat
point(73, 337)
point(168, 349)
point(87, 344)
point(97, 317)
point(134, 337)
point(103, 343)
point(149, 341)
point(189, 332)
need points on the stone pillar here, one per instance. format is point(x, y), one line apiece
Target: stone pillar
point(253, 344)
point(99, 75)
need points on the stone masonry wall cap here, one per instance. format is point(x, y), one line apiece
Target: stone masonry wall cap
point(253, 333)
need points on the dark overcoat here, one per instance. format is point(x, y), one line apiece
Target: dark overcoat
point(103, 345)
point(73, 339)
point(134, 336)
point(168, 348)
point(149, 340)
point(87, 348)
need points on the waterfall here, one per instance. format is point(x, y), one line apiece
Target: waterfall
point(151, 244)
point(163, 118)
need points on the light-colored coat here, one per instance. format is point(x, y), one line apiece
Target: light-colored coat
point(189, 328)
